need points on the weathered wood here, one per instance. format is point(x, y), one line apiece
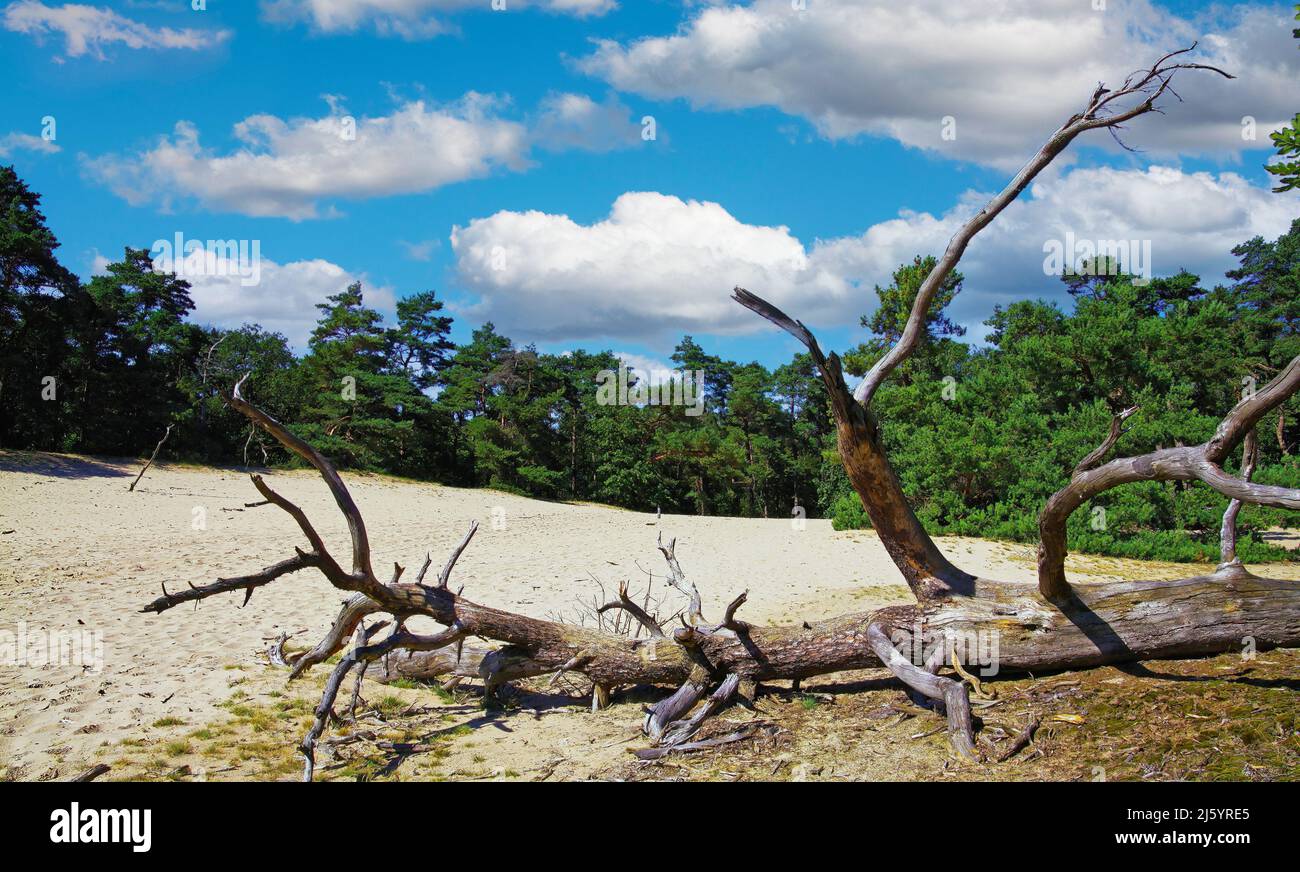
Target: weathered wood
point(150, 461)
point(1228, 529)
point(91, 774)
point(1022, 739)
point(953, 694)
point(1184, 463)
point(1114, 622)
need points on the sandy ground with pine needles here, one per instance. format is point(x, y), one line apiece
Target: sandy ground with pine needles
point(79, 556)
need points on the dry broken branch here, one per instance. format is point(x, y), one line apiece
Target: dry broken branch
point(678, 579)
point(150, 461)
point(627, 604)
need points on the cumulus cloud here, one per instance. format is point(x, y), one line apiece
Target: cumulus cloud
point(88, 30)
point(282, 300)
point(656, 262)
point(659, 266)
point(1005, 72)
point(288, 167)
point(12, 142)
point(407, 19)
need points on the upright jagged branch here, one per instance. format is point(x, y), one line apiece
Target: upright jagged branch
point(1228, 530)
point(678, 579)
point(1098, 454)
point(445, 575)
point(361, 570)
point(1102, 111)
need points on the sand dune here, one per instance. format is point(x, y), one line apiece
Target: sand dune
point(79, 555)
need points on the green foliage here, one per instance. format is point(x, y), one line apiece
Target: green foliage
point(1287, 142)
point(979, 436)
point(980, 453)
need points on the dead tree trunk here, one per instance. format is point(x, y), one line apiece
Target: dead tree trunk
point(1051, 625)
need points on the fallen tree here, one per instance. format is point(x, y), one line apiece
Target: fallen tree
point(1051, 625)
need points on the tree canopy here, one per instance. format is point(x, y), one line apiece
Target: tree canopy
point(980, 434)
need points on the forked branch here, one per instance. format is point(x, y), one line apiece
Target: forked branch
point(629, 605)
point(1098, 454)
point(678, 579)
point(362, 573)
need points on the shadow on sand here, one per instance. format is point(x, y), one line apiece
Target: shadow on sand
point(67, 465)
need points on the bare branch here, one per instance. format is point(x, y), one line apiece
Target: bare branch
point(356, 526)
point(678, 579)
point(1252, 407)
point(1022, 739)
point(246, 583)
point(729, 620)
point(355, 608)
point(445, 575)
point(1184, 463)
point(627, 604)
point(832, 374)
point(428, 560)
point(951, 693)
point(1228, 530)
point(1151, 84)
point(329, 566)
point(400, 638)
point(1099, 453)
point(682, 731)
point(149, 463)
point(795, 328)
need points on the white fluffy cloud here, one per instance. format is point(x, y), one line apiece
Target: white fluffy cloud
point(408, 19)
point(288, 167)
point(88, 30)
point(12, 142)
point(1006, 71)
point(659, 266)
point(657, 262)
point(282, 300)
point(285, 167)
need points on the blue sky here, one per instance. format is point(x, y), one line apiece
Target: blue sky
point(818, 123)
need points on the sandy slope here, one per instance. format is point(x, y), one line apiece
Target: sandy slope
point(80, 553)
